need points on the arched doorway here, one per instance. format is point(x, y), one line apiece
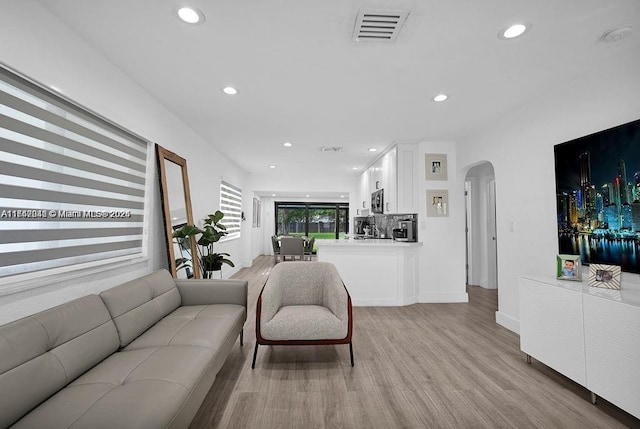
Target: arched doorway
point(480, 208)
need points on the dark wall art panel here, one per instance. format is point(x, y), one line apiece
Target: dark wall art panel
point(598, 197)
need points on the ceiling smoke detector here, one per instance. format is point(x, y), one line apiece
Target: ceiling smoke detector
point(379, 25)
point(330, 149)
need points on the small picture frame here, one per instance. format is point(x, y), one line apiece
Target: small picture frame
point(604, 276)
point(256, 213)
point(569, 267)
point(435, 166)
point(437, 203)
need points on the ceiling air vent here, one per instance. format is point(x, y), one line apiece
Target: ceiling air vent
point(379, 25)
point(330, 149)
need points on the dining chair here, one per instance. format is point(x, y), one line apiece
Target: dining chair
point(275, 243)
point(291, 247)
point(308, 248)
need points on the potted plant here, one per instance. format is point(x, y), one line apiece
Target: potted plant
point(211, 233)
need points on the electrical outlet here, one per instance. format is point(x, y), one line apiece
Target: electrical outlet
point(512, 226)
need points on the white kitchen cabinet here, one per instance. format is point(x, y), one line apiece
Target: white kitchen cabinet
point(364, 195)
point(390, 180)
point(406, 180)
point(394, 172)
point(375, 176)
point(590, 335)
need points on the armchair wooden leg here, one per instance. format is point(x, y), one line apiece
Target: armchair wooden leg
point(255, 353)
point(241, 337)
point(350, 352)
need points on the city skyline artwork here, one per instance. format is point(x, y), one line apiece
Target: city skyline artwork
point(598, 197)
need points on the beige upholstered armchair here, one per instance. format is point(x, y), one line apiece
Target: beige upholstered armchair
point(303, 303)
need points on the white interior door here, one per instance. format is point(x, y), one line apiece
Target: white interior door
point(468, 228)
point(492, 239)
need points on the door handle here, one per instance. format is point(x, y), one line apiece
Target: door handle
point(493, 238)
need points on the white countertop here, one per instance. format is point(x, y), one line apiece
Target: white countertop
point(369, 242)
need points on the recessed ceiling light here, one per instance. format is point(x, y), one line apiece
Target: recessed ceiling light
point(229, 90)
point(190, 15)
point(513, 31)
point(287, 144)
point(272, 166)
point(440, 97)
point(372, 149)
point(307, 195)
point(354, 168)
point(341, 196)
point(273, 195)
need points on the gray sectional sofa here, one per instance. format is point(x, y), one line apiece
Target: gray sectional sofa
point(140, 355)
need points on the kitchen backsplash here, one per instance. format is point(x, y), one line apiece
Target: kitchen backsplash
point(386, 223)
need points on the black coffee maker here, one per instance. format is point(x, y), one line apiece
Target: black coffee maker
point(360, 224)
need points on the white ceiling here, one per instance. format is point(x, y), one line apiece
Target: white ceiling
point(302, 79)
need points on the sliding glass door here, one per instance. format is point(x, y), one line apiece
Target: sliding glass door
point(320, 220)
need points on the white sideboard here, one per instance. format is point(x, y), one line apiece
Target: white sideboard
point(590, 335)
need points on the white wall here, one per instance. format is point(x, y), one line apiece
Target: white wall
point(442, 255)
point(520, 147)
point(36, 44)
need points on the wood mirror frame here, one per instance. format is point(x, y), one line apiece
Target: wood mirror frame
point(171, 168)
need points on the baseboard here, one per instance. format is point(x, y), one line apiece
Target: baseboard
point(443, 297)
point(508, 322)
point(376, 302)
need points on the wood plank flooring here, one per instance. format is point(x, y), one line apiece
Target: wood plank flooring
point(420, 366)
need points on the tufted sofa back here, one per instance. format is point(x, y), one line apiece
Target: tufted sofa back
point(51, 349)
point(137, 305)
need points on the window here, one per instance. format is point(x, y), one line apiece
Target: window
point(231, 206)
point(320, 220)
point(72, 185)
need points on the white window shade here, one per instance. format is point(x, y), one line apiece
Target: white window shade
point(72, 185)
point(231, 206)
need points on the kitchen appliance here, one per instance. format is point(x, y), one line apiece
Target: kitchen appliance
point(406, 230)
point(360, 223)
point(377, 201)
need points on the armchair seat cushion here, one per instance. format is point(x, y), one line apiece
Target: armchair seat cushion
point(304, 322)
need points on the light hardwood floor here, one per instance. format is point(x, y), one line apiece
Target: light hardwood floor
point(420, 366)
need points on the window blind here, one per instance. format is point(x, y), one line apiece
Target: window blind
point(72, 185)
point(231, 206)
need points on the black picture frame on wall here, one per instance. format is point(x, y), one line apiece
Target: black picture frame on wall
point(598, 197)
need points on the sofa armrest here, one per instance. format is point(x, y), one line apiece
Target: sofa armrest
point(213, 291)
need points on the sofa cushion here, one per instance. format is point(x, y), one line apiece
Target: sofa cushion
point(304, 322)
point(52, 348)
point(137, 305)
point(143, 388)
point(195, 325)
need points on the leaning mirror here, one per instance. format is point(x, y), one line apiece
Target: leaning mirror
point(176, 212)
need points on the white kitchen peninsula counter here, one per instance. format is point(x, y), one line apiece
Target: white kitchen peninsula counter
point(376, 272)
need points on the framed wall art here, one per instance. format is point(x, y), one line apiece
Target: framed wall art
point(435, 166)
point(568, 267)
point(256, 213)
point(598, 197)
point(437, 202)
point(605, 276)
